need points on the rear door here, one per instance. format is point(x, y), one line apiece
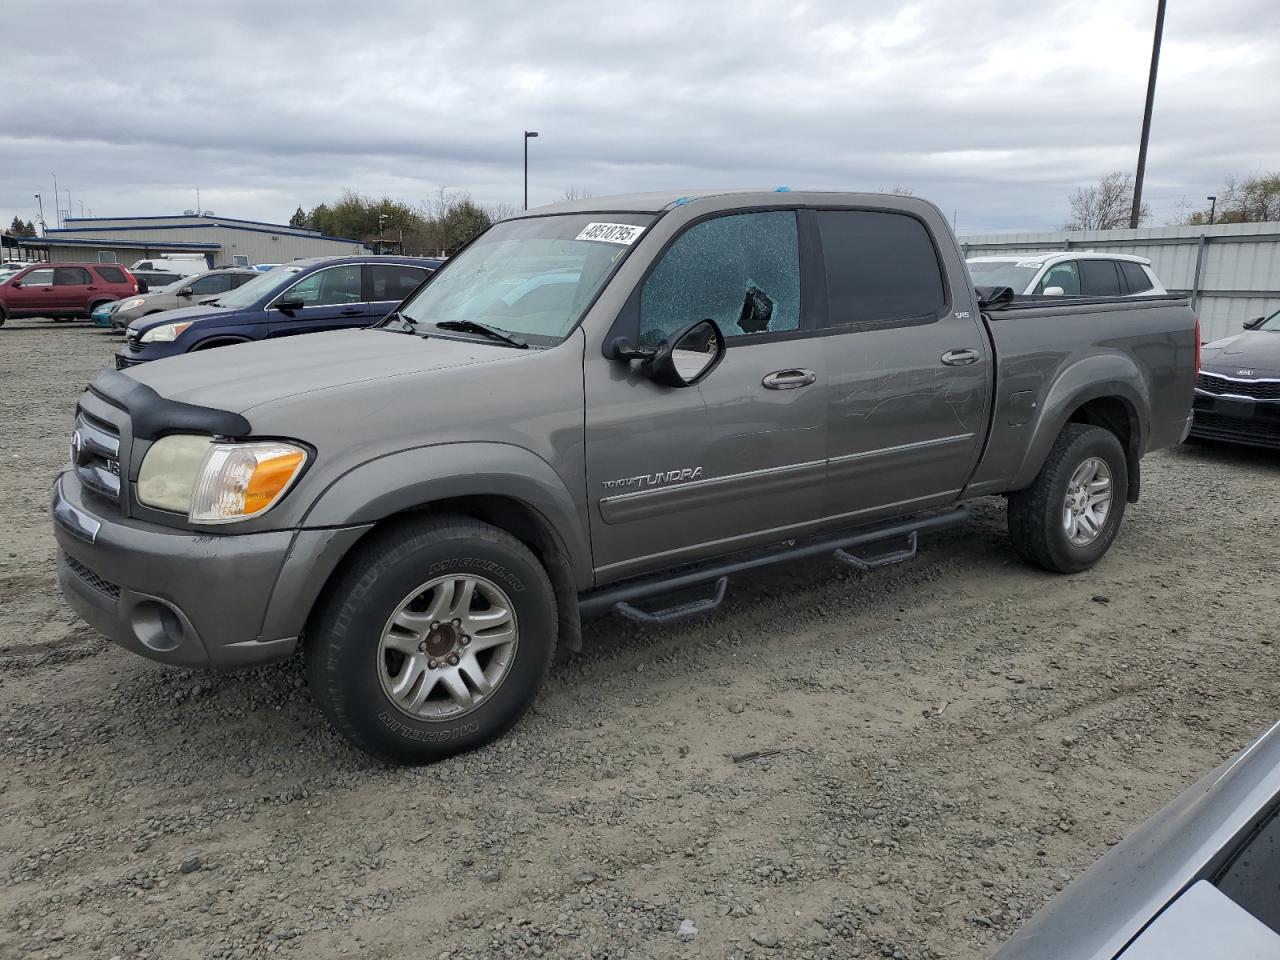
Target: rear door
point(387, 284)
point(908, 366)
point(331, 299)
point(1099, 278)
point(678, 473)
point(72, 289)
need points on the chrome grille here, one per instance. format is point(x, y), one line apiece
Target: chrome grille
point(95, 454)
point(1222, 386)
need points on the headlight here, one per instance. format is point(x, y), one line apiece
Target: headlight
point(129, 304)
point(217, 482)
point(165, 333)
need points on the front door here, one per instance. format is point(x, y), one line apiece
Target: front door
point(332, 299)
point(35, 295)
point(908, 367)
point(674, 474)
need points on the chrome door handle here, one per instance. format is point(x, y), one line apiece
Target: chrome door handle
point(960, 358)
point(788, 379)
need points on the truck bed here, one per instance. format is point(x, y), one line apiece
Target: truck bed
point(1141, 349)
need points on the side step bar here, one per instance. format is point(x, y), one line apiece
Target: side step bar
point(621, 598)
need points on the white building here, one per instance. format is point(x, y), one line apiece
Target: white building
point(224, 241)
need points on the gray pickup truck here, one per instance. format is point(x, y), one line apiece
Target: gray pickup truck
point(610, 405)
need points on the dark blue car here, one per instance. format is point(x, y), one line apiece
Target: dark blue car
point(305, 296)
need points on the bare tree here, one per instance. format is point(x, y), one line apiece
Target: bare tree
point(1106, 205)
point(500, 211)
point(900, 191)
point(576, 193)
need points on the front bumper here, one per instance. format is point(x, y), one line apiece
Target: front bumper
point(187, 599)
point(1255, 423)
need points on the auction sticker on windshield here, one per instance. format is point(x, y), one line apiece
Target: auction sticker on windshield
point(624, 233)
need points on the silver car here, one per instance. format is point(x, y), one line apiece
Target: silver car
point(1199, 880)
point(186, 292)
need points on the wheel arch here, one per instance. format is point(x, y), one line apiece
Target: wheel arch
point(505, 486)
point(218, 340)
point(1106, 390)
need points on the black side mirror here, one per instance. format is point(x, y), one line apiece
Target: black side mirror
point(1253, 323)
point(288, 306)
point(687, 357)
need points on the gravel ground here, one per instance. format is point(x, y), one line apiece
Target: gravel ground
point(955, 738)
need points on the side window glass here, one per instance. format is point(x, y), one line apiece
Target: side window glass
point(742, 271)
point(879, 266)
point(1135, 276)
point(390, 281)
point(214, 283)
point(70, 277)
point(1064, 275)
point(111, 274)
point(38, 278)
point(330, 287)
point(1099, 278)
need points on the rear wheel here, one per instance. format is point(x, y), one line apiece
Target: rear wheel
point(1069, 516)
point(3, 316)
point(433, 641)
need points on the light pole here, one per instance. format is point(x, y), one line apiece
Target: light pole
point(528, 135)
point(40, 201)
point(1213, 208)
point(1136, 215)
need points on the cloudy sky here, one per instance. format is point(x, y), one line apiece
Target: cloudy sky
point(994, 109)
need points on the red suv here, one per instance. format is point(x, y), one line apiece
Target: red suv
point(64, 289)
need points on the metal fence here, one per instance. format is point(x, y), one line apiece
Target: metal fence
point(1230, 272)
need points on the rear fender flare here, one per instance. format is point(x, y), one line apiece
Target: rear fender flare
point(409, 479)
point(1090, 378)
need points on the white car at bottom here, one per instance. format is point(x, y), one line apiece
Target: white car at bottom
point(1068, 274)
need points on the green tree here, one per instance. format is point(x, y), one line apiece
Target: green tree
point(299, 218)
point(462, 221)
point(1254, 199)
point(21, 228)
point(321, 219)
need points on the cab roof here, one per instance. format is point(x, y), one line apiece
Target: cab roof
point(1043, 258)
point(667, 199)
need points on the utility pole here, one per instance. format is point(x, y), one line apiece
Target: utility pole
point(1135, 216)
point(1213, 207)
point(528, 135)
point(40, 201)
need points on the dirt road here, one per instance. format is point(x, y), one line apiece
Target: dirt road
point(956, 738)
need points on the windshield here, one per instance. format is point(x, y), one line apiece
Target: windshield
point(259, 287)
point(533, 277)
point(1017, 274)
point(1271, 323)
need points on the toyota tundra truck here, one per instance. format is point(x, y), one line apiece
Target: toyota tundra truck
point(611, 405)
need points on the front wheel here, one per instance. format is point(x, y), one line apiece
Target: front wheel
point(1069, 516)
point(434, 640)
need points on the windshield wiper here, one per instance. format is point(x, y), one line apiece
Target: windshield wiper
point(409, 324)
point(474, 326)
